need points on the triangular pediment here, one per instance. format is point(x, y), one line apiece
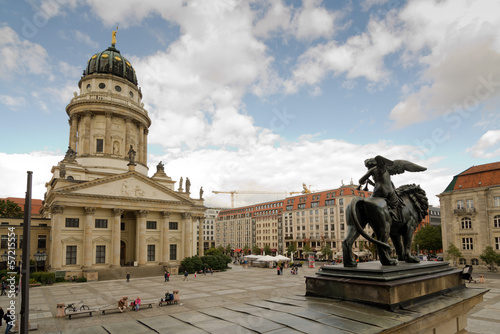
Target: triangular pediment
point(128, 185)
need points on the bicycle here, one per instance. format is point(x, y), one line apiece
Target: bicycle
point(73, 308)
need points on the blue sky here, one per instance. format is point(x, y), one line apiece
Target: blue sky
point(263, 95)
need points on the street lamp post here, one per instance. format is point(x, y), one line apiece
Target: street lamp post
point(40, 258)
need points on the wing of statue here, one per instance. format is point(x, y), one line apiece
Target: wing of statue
point(401, 166)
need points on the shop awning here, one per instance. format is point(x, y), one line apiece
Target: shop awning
point(238, 250)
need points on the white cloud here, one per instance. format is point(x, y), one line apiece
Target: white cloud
point(368, 4)
point(13, 102)
point(84, 38)
point(489, 141)
point(20, 57)
point(457, 43)
point(312, 21)
point(13, 172)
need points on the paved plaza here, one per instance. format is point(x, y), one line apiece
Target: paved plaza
point(253, 300)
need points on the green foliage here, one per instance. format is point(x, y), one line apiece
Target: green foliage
point(453, 252)
point(33, 281)
point(196, 264)
point(429, 238)
point(60, 279)
point(291, 248)
point(228, 249)
point(327, 251)
point(10, 209)
point(213, 251)
point(306, 249)
point(267, 249)
point(222, 249)
point(489, 256)
point(255, 250)
point(81, 279)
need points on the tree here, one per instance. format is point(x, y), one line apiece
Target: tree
point(267, 249)
point(453, 253)
point(228, 249)
point(327, 251)
point(291, 248)
point(489, 256)
point(213, 251)
point(246, 250)
point(373, 249)
point(429, 238)
point(256, 250)
point(306, 249)
point(10, 209)
point(222, 249)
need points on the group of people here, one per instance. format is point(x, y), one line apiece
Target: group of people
point(122, 304)
point(8, 320)
point(294, 270)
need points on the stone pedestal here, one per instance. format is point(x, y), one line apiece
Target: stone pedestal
point(402, 287)
point(91, 275)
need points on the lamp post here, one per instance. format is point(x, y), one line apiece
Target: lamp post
point(40, 257)
point(5, 258)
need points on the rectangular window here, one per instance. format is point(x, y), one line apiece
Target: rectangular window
point(302, 206)
point(4, 239)
point(122, 226)
point(342, 227)
point(332, 227)
point(101, 223)
point(99, 146)
point(470, 203)
point(496, 201)
point(460, 204)
point(151, 225)
point(325, 211)
point(70, 255)
point(42, 241)
point(151, 252)
point(72, 222)
point(100, 254)
point(173, 252)
point(467, 244)
point(497, 243)
point(341, 209)
point(314, 204)
point(341, 201)
point(173, 226)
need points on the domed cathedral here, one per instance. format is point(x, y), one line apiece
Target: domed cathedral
point(105, 211)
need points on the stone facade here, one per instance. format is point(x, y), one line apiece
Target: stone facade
point(470, 212)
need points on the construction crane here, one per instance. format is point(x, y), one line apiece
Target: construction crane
point(233, 192)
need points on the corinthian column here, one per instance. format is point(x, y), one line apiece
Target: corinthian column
point(165, 235)
point(115, 238)
point(108, 147)
point(87, 237)
point(201, 248)
point(140, 243)
point(57, 222)
point(187, 235)
point(73, 122)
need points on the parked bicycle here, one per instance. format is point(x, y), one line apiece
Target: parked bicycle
point(73, 307)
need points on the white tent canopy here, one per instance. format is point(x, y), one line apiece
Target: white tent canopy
point(281, 258)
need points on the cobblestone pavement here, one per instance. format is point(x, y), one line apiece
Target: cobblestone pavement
point(211, 303)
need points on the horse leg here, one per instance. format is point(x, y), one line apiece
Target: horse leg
point(352, 235)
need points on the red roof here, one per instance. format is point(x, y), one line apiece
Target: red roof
point(36, 204)
point(479, 176)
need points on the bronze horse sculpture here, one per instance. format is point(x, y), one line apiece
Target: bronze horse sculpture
point(393, 217)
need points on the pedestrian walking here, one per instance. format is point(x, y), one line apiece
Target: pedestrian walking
point(166, 276)
point(128, 277)
point(4, 287)
point(195, 274)
point(186, 276)
point(1, 316)
point(8, 322)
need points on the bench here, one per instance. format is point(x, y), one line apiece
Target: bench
point(145, 303)
point(110, 309)
point(70, 314)
point(172, 301)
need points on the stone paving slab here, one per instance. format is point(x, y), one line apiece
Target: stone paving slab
point(127, 327)
point(170, 325)
point(248, 321)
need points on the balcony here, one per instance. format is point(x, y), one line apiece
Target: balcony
point(464, 211)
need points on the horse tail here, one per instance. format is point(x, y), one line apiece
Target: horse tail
point(354, 213)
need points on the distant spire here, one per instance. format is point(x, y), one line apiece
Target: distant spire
point(113, 37)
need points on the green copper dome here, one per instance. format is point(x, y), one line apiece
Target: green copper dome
point(110, 61)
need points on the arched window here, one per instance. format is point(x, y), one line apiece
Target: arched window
point(496, 221)
point(475, 262)
point(466, 222)
point(463, 261)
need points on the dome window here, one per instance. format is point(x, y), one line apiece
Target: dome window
point(118, 88)
point(105, 56)
point(128, 63)
point(131, 94)
point(102, 85)
point(94, 56)
point(118, 58)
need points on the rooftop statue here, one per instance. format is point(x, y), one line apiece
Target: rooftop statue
point(113, 37)
point(390, 212)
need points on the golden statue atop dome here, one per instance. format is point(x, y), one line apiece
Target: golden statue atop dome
point(113, 37)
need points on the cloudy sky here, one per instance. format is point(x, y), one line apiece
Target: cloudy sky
point(263, 95)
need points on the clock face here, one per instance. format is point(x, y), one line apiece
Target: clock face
point(102, 85)
point(118, 88)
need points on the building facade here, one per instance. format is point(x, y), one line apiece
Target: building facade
point(208, 228)
point(470, 212)
point(313, 219)
point(103, 208)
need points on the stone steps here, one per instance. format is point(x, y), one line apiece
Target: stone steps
point(135, 272)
